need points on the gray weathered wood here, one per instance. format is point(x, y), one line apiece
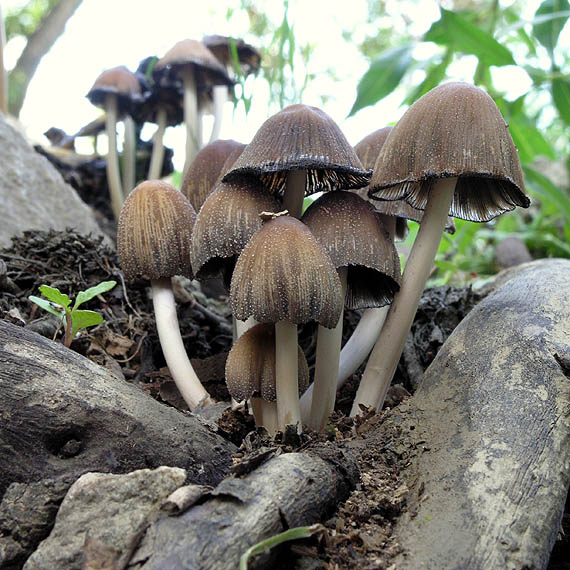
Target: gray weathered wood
point(60, 413)
point(291, 490)
point(491, 430)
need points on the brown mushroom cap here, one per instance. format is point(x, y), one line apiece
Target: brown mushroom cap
point(120, 82)
point(202, 175)
point(249, 57)
point(250, 367)
point(351, 232)
point(208, 70)
point(454, 130)
point(300, 137)
point(283, 274)
point(226, 222)
point(368, 150)
point(154, 232)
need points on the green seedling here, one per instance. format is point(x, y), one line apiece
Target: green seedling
point(267, 544)
point(73, 319)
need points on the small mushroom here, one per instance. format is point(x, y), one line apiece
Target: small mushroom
point(251, 372)
point(283, 276)
point(153, 240)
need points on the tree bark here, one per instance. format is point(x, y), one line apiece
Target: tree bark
point(60, 414)
point(490, 431)
point(39, 43)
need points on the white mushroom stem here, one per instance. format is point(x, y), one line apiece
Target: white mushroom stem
point(129, 155)
point(265, 414)
point(113, 170)
point(157, 155)
point(326, 366)
point(243, 326)
point(365, 335)
point(191, 117)
point(386, 353)
point(220, 97)
point(287, 375)
point(177, 360)
point(353, 353)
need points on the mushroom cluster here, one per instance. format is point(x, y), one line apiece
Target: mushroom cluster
point(449, 155)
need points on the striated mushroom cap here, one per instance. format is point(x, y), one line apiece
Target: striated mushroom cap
point(202, 175)
point(208, 70)
point(226, 222)
point(250, 367)
point(154, 232)
point(368, 150)
point(351, 232)
point(120, 82)
point(283, 274)
point(454, 130)
point(300, 137)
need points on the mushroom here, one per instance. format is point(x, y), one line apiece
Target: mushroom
point(283, 276)
point(251, 372)
point(197, 66)
point(203, 173)
point(116, 90)
point(353, 235)
point(395, 215)
point(452, 154)
point(163, 105)
point(226, 222)
point(154, 240)
point(299, 151)
point(248, 61)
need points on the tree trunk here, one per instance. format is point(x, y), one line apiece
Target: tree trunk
point(39, 43)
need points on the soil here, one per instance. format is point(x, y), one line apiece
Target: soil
point(360, 533)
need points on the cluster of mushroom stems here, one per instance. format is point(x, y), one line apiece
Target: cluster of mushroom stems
point(239, 216)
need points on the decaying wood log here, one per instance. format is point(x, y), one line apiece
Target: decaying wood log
point(490, 424)
point(291, 490)
point(61, 414)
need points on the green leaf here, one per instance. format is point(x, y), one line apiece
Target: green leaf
point(87, 295)
point(55, 296)
point(561, 97)
point(384, 75)
point(529, 141)
point(547, 32)
point(468, 38)
point(48, 306)
point(547, 190)
point(83, 319)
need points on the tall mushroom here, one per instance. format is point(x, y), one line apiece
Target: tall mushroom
point(154, 240)
point(395, 215)
point(452, 154)
point(352, 233)
point(283, 276)
point(197, 66)
point(116, 90)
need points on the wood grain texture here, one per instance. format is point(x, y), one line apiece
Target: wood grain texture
point(491, 420)
point(60, 413)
